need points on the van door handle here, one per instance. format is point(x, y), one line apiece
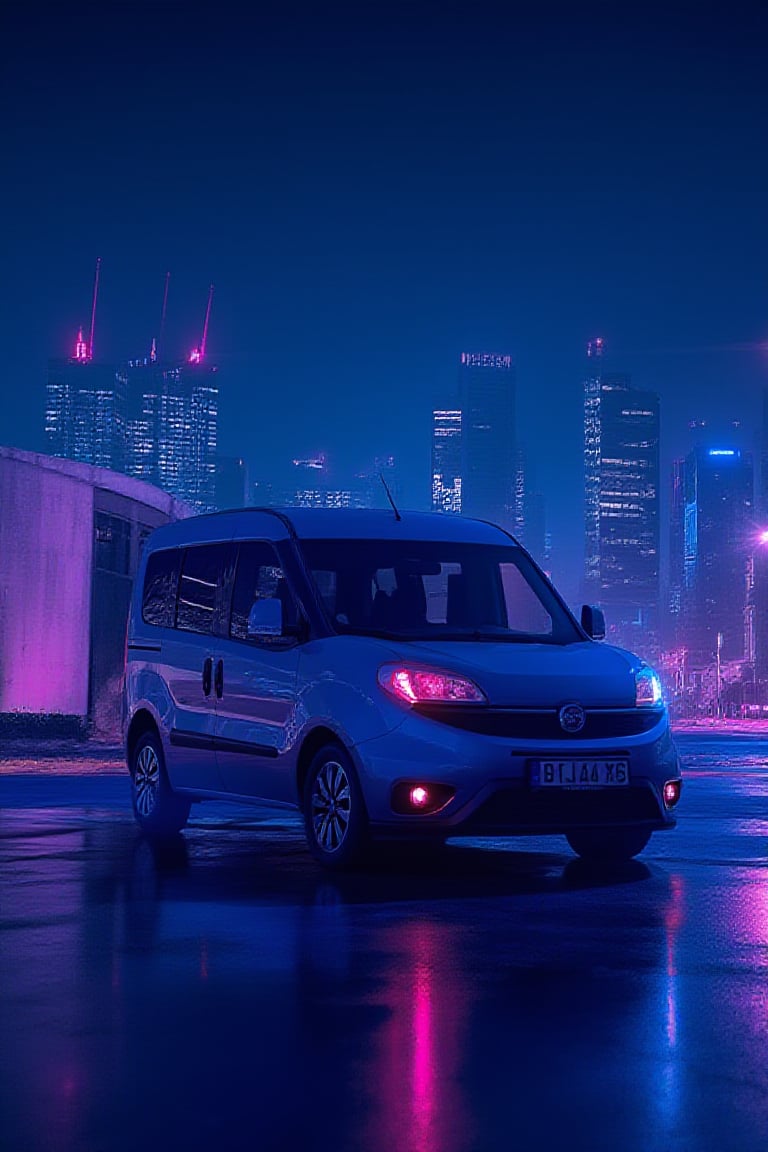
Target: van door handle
point(219, 681)
point(207, 673)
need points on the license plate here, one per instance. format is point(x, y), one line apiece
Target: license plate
point(580, 774)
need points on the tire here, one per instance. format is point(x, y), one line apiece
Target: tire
point(608, 843)
point(159, 812)
point(335, 819)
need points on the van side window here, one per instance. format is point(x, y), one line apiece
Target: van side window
point(201, 574)
point(158, 604)
point(259, 576)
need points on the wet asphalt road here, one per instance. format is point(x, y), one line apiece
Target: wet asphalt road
point(225, 994)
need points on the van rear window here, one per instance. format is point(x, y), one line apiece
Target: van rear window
point(158, 605)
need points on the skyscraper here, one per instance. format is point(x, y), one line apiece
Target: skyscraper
point(446, 460)
point(676, 550)
point(621, 491)
point(173, 428)
point(718, 531)
point(85, 410)
point(592, 382)
point(144, 388)
point(488, 447)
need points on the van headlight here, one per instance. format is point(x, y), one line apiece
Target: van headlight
point(428, 685)
point(647, 687)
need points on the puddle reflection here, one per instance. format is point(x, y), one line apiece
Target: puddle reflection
point(413, 1008)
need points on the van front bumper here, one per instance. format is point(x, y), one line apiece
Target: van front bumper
point(494, 789)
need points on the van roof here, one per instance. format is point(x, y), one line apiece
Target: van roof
point(327, 523)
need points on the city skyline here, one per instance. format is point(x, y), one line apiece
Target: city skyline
point(700, 615)
point(415, 478)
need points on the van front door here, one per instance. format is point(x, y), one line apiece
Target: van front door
point(256, 720)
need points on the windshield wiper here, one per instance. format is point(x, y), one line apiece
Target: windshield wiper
point(379, 633)
point(503, 637)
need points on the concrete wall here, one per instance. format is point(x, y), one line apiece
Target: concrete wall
point(46, 521)
point(55, 655)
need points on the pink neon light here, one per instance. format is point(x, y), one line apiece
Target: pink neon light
point(423, 1083)
point(81, 348)
point(763, 539)
point(419, 796)
point(195, 356)
point(413, 1069)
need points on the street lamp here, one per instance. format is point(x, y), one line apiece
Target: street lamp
point(719, 684)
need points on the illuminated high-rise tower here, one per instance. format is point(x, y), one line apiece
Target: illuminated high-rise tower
point(621, 494)
point(676, 550)
point(173, 428)
point(85, 403)
point(592, 383)
point(719, 543)
point(446, 460)
point(173, 422)
point(85, 411)
point(488, 447)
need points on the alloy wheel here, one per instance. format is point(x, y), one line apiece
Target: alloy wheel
point(146, 780)
point(331, 806)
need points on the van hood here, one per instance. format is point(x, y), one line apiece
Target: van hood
point(536, 675)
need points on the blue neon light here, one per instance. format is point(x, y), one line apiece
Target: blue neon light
point(722, 452)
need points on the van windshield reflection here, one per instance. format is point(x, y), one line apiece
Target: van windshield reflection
point(413, 590)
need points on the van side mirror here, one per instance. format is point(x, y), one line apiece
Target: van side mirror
point(593, 621)
point(265, 619)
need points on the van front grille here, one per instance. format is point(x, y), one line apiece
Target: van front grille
point(543, 724)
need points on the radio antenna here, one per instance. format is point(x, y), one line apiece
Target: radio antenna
point(389, 496)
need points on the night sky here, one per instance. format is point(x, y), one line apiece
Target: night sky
point(374, 189)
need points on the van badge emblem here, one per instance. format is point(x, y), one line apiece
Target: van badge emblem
point(572, 718)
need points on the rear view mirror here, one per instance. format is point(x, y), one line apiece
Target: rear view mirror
point(593, 621)
point(417, 566)
point(265, 619)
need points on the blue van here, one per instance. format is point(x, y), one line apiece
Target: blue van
point(390, 675)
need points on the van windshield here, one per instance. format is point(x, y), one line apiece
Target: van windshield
point(413, 590)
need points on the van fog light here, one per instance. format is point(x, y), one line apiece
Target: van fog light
point(412, 799)
point(672, 790)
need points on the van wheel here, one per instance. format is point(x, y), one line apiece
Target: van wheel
point(159, 811)
point(608, 843)
point(335, 819)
